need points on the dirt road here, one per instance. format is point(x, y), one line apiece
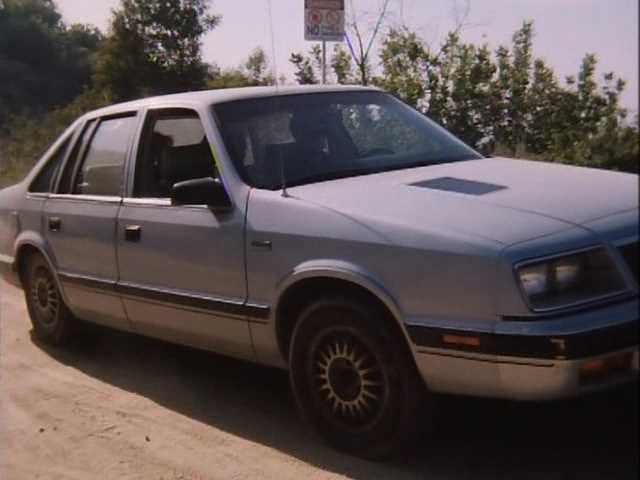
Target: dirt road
point(124, 407)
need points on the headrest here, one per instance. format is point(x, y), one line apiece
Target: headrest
point(159, 142)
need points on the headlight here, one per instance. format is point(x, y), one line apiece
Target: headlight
point(570, 279)
point(566, 272)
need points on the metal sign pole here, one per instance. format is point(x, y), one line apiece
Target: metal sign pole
point(324, 62)
point(324, 22)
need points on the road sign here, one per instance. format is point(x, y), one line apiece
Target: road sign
point(324, 20)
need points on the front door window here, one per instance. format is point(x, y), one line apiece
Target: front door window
point(174, 149)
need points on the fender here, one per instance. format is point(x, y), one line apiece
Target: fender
point(341, 270)
point(30, 238)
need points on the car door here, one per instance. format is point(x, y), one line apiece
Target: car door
point(182, 275)
point(80, 219)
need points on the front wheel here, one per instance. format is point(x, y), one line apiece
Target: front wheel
point(354, 380)
point(52, 321)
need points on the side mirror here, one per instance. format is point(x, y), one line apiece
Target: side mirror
point(201, 191)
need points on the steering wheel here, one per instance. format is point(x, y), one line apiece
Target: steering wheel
point(377, 151)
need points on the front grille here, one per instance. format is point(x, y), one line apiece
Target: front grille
point(630, 254)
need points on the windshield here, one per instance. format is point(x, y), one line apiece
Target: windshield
point(298, 139)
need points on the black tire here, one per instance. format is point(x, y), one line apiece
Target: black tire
point(354, 379)
point(52, 321)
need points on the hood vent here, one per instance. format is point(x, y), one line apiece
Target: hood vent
point(458, 185)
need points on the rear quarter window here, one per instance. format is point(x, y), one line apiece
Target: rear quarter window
point(43, 182)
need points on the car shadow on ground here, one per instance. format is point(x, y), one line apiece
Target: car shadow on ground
point(591, 438)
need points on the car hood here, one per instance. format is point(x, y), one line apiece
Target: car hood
point(498, 199)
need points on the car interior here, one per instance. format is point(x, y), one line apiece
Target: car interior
point(162, 164)
point(316, 141)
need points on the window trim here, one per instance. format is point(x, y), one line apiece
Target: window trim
point(158, 203)
point(77, 143)
point(92, 127)
point(86, 198)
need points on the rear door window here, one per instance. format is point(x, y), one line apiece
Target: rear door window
point(102, 171)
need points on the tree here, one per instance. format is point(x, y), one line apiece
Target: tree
point(26, 140)
point(544, 99)
point(255, 71)
point(257, 68)
point(449, 85)
point(512, 103)
point(226, 78)
point(500, 88)
point(341, 65)
point(618, 147)
point(405, 63)
point(308, 68)
point(471, 96)
point(305, 66)
point(154, 47)
point(362, 49)
point(43, 62)
point(520, 80)
point(589, 116)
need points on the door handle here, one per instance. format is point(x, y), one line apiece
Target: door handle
point(263, 244)
point(132, 233)
point(55, 224)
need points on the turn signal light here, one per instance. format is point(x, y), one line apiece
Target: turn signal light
point(593, 366)
point(599, 367)
point(461, 340)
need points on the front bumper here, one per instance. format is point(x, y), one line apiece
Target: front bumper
point(533, 360)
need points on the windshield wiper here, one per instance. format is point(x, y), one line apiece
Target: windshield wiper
point(324, 177)
point(430, 162)
point(355, 172)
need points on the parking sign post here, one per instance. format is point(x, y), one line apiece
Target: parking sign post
point(324, 22)
point(324, 62)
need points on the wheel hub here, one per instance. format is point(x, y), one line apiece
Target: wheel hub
point(45, 298)
point(349, 380)
point(344, 379)
point(43, 294)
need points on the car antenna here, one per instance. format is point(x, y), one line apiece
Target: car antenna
point(283, 177)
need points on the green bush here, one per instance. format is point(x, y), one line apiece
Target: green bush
point(24, 138)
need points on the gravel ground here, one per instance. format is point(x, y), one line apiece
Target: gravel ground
point(118, 406)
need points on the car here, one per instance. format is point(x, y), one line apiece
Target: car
point(339, 234)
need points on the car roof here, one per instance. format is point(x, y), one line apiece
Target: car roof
point(212, 97)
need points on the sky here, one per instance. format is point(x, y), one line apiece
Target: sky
point(564, 29)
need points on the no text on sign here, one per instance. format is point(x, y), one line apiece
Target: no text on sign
point(324, 20)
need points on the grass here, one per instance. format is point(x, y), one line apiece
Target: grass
point(12, 176)
point(12, 171)
point(25, 137)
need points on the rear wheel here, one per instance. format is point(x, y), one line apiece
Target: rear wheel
point(52, 321)
point(354, 379)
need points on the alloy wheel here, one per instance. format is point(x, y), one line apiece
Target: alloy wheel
point(45, 298)
point(349, 381)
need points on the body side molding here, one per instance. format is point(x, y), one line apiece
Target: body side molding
point(258, 313)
